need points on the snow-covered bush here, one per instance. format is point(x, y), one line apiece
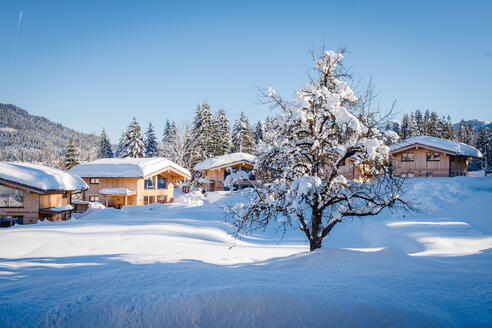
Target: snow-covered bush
point(302, 153)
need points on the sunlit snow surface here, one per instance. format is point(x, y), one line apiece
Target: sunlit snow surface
point(178, 265)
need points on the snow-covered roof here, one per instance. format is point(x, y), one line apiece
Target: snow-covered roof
point(116, 191)
point(454, 147)
point(58, 209)
point(40, 178)
point(127, 168)
point(223, 160)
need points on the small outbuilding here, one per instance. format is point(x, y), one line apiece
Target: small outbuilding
point(31, 192)
point(116, 182)
point(425, 156)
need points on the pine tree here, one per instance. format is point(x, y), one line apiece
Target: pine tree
point(242, 135)
point(170, 147)
point(202, 132)
point(462, 132)
point(131, 142)
point(405, 124)
point(396, 127)
point(433, 126)
point(419, 122)
point(470, 134)
point(258, 132)
point(105, 150)
point(71, 155)
point(448, 132)
point(426, 129)
point(412, 127)
point(481, 144)
point(151, 149)
point(221, 137)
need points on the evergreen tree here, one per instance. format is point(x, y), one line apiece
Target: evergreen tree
point(433, 126)
point(412, 127)
point(202, 132)
point(481, 144)
point(448, 132)
point(396, 127)
point(221, 137)
point(131, 142)
point(150, 142)
point(462, 132)
point(171, 144)
point(105, 150)
point(242, 135)
point(71, 155)
point(470, 134)
point(258, 132)
point(405, 124)
point(419, 121)
point(425, 131)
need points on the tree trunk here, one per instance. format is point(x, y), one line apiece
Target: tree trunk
point(314, 243)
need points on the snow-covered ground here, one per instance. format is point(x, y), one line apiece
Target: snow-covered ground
point(176, 265)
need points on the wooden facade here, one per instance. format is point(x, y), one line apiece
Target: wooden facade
point(351, 171)
point(138, 191)
point(217, 175)
point(424, 161)
point(36, 205)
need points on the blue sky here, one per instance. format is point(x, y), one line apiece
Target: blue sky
point(89, 64)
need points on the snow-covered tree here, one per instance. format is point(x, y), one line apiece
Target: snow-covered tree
point(151, 147)
point(413, 129)
point(462, 131)
point(242, 135)
point(221, 136)
point(448, 131)
point(105, 150)
point(405, 127)
point(171, 145)
point(258, 131)
point(131, 143)
point(419, 121)
point(300, 160)
point(433, 127)
point(70, 156)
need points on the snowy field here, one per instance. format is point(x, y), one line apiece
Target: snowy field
point(176, 265)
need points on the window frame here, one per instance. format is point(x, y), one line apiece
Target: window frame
point(15, 192)
point(146, 187)
point(404, 159)
point(159, 178)
point(94, 197)
point(431, 157)
point(94, 181)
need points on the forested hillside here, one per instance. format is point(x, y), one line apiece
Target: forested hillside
point(25, 137)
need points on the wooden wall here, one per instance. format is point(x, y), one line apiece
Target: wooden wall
point(217, 175)
point(30, 211)
point(420, 167)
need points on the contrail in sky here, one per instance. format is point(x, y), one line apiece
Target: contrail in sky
point(17, 33)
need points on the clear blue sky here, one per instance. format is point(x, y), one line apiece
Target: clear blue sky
point(89, 64)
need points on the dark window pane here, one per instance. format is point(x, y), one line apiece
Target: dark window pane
point(10, 197)
point(149, 183)
point(161, 183)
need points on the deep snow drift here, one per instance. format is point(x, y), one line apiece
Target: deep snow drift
point(177, 265)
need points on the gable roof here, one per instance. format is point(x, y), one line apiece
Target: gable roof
point(39, 178)
point(224, 160)
point(127, 168)
point(449, 146)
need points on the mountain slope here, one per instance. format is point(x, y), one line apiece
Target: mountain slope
point(26, 137)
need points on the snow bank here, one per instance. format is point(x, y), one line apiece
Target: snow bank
point(176, 265)
point(41, 177)
point(458, 148)
point(228, 159)
point(126, 167)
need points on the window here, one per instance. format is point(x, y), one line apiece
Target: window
point(411, 175)
point(429, 174)
point(161, 199)
point(149, 200)
point(64, 195)
point(93, 198)
point(161, 183)
point(149, 183)
point(433, 157)
point(10, 197)
point(408, 157)
point(94, 181)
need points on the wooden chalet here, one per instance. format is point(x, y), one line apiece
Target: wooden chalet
point(216, 169)
point(425, 156)
point(31, 192)
point(116, 182)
